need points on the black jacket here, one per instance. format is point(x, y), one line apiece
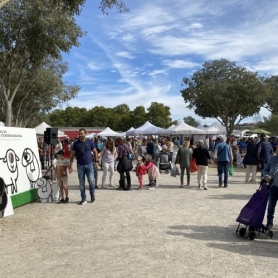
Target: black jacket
point(201, 156)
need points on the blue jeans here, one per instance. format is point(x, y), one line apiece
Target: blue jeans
point(263, 163)
point(272, 201)
point(223, 166)
point(87, 170)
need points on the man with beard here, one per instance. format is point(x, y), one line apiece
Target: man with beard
point(82, 148)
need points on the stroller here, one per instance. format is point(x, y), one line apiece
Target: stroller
point(164, 162)
point(252, 215)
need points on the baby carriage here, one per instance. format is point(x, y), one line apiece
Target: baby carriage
point(164, 162)
point(252, 215)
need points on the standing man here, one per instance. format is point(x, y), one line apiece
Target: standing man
point(263, 150)
point(223, 153)
point(82, 149)
point(151, 148)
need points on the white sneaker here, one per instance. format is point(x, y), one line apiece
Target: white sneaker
point(151, 188)
point(111, 185)
point(204, 187)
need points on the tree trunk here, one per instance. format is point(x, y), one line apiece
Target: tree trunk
point(3, 3)
point(8, 114)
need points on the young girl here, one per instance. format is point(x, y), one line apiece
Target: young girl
point(140, 172)
point(153, 172)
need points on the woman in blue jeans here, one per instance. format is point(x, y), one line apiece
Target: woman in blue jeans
point(270, 173)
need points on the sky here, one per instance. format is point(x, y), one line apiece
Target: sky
point(141, 57)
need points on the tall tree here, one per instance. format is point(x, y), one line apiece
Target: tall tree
point(138, 117)
point(41, 90)
point(98, 116)
point(271, 101)
point(159, 114)
point(270, 124)
point(191, 121)
point(224, 91)
point(31, 31)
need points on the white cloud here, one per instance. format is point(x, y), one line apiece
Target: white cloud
point(124, 54)
point(180, 64)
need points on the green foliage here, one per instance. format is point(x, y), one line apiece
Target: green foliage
point(109, 4)
point(191, 121)
point(32, 32)
point(159, 115)
point(271, 100)
point(270, 124)
point(119, 118)
point(224, 91)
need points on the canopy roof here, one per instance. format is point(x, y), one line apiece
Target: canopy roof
point(109, 132)
point(183, 128)
point(201, 127)
point(148, 129)
point(91, 135)
point(131, 129)
point(217, 127)
point(171, 127)
point(41, 128)
point(258, 131)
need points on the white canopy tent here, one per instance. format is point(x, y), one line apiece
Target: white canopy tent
point(109, 132)
point(148, 129)
point(183, 128)
point(217, 128)
point(131, 129)
point(171, 127)
point(91, 135)
point(41, 128)
point(201, 127)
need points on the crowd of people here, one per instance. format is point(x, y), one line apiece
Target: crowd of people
point(253, 154)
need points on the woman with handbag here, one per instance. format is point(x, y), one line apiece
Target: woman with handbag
point(202, 157)
point(109, 155)
point(183, 158)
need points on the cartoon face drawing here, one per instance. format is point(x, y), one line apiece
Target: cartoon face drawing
point(44, 190)
point(11, 160)
point(31, 164)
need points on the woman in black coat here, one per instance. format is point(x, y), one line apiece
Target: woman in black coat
point(251, 161)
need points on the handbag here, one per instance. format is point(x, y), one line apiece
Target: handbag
point(174, 171)
point(231, 170)
point(193, 166)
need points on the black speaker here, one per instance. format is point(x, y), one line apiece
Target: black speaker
point(51, 136)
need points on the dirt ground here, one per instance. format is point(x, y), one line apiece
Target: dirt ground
point(167, 232)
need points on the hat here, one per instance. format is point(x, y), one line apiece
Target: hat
point(139, 158)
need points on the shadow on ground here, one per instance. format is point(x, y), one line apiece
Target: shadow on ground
point(225, 238)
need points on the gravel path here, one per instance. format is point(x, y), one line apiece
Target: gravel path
point(167, 232)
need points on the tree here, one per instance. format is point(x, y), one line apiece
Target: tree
point(159, 115)
point(41, 90)
point(138, 117)
point(191, 121)
point(270, 124)
point(75, 5)
point(120, 117)
point(31, 31)
point(224, 91)
point(271, 101)
point(98, 116)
